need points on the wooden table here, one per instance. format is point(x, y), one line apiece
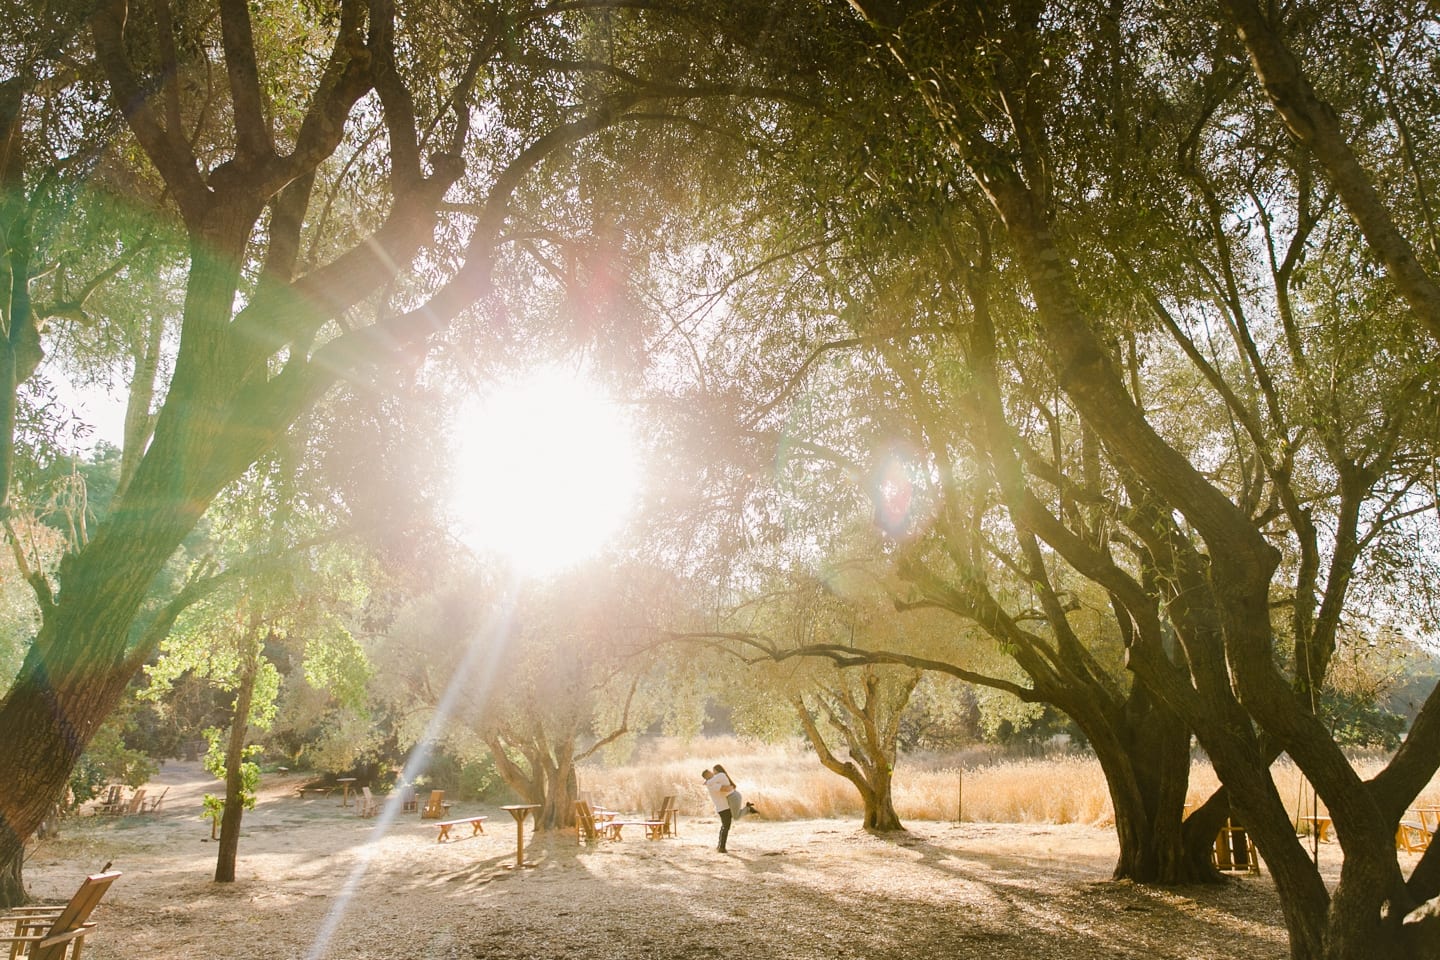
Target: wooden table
point(345, 783)
point(1320, 826)
point(520, 811)
point(653, 828)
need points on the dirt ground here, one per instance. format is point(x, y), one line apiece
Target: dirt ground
point(316, 881)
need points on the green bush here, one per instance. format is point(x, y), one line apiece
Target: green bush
point(109, 760)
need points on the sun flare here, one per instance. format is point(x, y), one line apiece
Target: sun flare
point(545, 471)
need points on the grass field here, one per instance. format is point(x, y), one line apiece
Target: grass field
point(787, 782)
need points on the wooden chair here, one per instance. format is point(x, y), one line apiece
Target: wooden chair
point(1234, 850)
point(153, 804)
point(53, 933)
point(435, 807)
point(409, 802)
point(586, 827)
point(137, 802)
point(668, 815)
point(1412, 837)
point(368, 805)
point(113, 801)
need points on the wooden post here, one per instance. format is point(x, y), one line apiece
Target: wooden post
point(960, 795)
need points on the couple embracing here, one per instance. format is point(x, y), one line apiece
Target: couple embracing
point(728, 802)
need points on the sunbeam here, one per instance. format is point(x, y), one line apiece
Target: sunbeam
point(483, 668)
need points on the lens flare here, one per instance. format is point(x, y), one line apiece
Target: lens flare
point(545, 472)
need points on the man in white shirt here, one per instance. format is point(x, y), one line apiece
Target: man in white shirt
point(719, 785)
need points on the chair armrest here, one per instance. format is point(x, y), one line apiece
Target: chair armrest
point(45, 940)
point(68, 935)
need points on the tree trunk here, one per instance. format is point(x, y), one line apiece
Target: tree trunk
point(235, 772)
point(872, 780)
point(12, 883)
point(880, 815)
point(77, 669)
point(557, 810)
point(1144, 749)
point(50, 713)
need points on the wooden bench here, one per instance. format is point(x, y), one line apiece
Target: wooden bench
point(477, 822)
point(654, 829)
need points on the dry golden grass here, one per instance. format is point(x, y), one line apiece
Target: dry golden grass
point(787, 782)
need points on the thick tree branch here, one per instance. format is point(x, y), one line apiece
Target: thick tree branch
point(252, 131)
point(1313, 122)
point(165, 146)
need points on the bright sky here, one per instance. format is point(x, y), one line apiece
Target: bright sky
point(103, 409)
point(545, 471)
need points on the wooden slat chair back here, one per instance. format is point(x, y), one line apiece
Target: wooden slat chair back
point(667, 815)
point(47, 933)
point(585, 821)
point(137, 802)
point(435, 807)
point(114, 800)
point(368, 805)
point(1234, 850)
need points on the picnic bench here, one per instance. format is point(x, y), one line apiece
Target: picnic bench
point(1412, 837)
point(654, 829)
point(477, 823)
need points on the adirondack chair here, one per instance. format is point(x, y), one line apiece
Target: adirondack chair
point(113, 801)
point(137, 802)
point(435, 807)
point(669, 815)
point(409, 802)
point(586, 822)
point(54, 933)
point(153, 804)
point(368, 805)
point(1234, 850)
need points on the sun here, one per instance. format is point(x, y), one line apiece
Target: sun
point(545, 471)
